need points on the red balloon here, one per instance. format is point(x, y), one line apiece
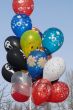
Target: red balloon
point(23, 6)
point(20, 92)
point(41, 91)
point(19, 97)
point(59, 93)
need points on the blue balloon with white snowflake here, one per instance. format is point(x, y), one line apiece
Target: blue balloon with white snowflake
point(36, 62)
point(21, 23)
point(52, 40)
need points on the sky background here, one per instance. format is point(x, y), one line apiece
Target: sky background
point(46, 14)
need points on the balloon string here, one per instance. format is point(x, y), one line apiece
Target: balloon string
point(30, 104)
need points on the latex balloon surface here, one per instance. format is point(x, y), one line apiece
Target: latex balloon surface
point(21, 87)
point(23, 6)
point(20, 77)
point(7, 72)
point(35, 63)
point(30, 41)
point(38, 31)
point(20, 92)
point(52, 40)
point(11, 42)
point(59, 93)
point(41, 91)
point(17, 59)
point(54, 68)
point(20, 23)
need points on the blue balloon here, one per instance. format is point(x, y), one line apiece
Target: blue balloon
point(21, 23)
point(36, 62)
point(52, 40)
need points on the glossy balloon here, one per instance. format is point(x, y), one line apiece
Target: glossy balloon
point(52, 40)
point(54, 68)
point(20, 77)
point(41, 91)
point(36, 62)
point(11, 42)
point(21, 83)
point(17, 59)
point(7, 72)
point(19, 97)
point(20, 92)
point(23, 6)
point(20, 23)
point(38, 31)
point(59, 93)
point(30, 41)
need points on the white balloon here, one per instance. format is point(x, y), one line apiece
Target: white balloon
point(54, 68)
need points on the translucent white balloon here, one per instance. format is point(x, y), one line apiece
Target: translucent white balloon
point(21, 84)
point(20, 77)
point(54, 68)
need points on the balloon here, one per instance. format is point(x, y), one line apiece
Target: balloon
point(30, 41)
point(20, 77)
point(17, 59)
point(52, 40)
point(54, 68)
point(7, 72)
point(23, 6)
point(21, 87)
point(36, 79)
point(38, 31)
point(36, 62)
point(11, 42)
point(20, 23)
point(19, 97)
point(20, 92)
point(59, 93)
point(41, 91)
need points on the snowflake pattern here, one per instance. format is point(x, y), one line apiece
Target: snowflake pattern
point(31, 61)
point(41, 62)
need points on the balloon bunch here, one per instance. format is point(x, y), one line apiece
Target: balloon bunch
point(31, 68)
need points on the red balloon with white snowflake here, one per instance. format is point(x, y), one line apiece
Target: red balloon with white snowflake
point(23, 6)
point(59, 93)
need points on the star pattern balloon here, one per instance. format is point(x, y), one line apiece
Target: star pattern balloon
point(52, 40)
point(23, 6)
point(21, 23)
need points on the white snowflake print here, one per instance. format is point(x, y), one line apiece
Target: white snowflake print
point(31, 61)
point(41, 62)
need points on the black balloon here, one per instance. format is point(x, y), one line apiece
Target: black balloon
point(7, 72)
point(17, 59)
point(12, 42)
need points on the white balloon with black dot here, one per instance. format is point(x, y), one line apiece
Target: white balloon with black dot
point(54, 68)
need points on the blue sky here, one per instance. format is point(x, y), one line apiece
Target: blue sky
point(47, 13)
